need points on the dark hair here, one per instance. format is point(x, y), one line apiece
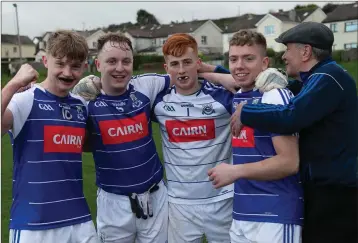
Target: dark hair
point(113, 38)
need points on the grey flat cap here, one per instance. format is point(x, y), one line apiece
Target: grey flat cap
point(312, 33)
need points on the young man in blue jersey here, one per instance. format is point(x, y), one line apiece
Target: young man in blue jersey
point(48, 123)
point(268, 204)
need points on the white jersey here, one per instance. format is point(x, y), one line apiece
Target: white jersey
point(196, 137)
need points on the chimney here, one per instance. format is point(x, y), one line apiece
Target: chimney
point(249, 16)
point(292, 15)
point(280, 10)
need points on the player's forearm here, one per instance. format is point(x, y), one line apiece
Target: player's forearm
point(218, 78)
point(274, 168)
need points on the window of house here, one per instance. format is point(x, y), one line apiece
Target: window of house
point(333, 27)
point(163, 41)
point(351, 26)
point(14, 49)
point(269, 30)
point(334, 47)
point(350, 45)
point(204, 40)
point(94, 44)
point(153, 42)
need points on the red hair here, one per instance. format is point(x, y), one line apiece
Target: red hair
point(177, 44)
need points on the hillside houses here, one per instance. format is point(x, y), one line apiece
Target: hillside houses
point(212, 35)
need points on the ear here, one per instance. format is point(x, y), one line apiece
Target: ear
point(44, 61)
point(306, 53)
point(199, 62)
point(265, 63)
point(96, 61)
point(166, 67)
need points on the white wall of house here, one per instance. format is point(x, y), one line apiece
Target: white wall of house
point(92, 39)
point(343, 39)
point(12, 51)
point(39, 55)
point(226, 39)
point(209, 35)
point(271, 28)
point(139, 43)
point(317, 16)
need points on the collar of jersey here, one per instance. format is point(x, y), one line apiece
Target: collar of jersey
point(53, 96)
point(118, 97)
point(196, 93)
point(305, 75)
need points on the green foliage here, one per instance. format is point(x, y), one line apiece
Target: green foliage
point(139, 60)
point(337, 55)
point(306, 7)
point(144, 18)
point(270, 52)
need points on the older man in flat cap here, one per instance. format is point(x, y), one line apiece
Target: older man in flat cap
point(325, 114)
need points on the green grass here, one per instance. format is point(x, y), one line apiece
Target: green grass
point(88, 166)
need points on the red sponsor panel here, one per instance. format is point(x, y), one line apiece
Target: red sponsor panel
point(246, 138)
point(124, 130)
point(63, 139)
point(190, 131)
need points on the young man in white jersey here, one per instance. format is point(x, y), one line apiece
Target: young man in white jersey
point(268, 195)
point(193, 118)
point(47, 124)
point(132, 199)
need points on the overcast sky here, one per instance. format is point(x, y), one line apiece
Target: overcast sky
point(35, 18)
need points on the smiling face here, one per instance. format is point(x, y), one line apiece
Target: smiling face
point(182, 62)
point(115, 62)
point(247, 58)
point(63, 73)
point(245, 64)
point(65, 60)
point(183, 71)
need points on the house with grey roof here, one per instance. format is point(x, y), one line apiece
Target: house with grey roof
point(275, 23)
point(232, 25)
point(10, 47)
point(343, 21)
point(149, 39)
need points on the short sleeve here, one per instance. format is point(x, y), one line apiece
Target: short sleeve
point(277, 97)
point(20, 107)
point(151, 85)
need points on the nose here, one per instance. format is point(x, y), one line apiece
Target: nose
point(181, 69)
point(283, 56)
point(239, 64)
point(119, 67)
point(67, 71)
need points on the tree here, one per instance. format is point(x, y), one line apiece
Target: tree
point(306, 7)
point(144, 18)
point(329, 7)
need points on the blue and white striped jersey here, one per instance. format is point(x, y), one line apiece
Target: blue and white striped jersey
point(48, 134)
point(196, 137)
point(277, 201)
point(121, 136)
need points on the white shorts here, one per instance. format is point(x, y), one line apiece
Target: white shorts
point(263, 232)
point(188, 223)
point(78, 233)
point(117, 223)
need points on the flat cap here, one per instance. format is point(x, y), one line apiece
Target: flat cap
point(312, 33)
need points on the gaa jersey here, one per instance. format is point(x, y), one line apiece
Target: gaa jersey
point(123, 148)
point(196, 137)
point(47, 135)
point(276, 201)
